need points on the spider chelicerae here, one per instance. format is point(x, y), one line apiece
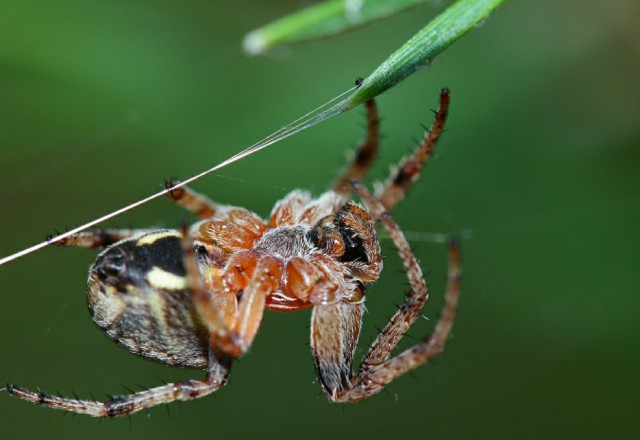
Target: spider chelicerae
point(195, 297)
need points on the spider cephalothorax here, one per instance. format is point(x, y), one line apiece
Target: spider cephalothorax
point(318, 253)
point(195, 297)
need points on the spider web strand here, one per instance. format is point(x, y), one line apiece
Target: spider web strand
point(319, 114)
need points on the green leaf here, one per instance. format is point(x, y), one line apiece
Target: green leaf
point(423, 47)
point(322, 20)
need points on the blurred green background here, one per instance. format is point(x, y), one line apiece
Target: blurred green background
point(101, 100)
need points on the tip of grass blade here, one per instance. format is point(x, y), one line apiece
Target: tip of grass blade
point(254, 44)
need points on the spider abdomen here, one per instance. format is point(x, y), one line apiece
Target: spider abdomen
point(138, 296)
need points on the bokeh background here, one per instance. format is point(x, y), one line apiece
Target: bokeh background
point(101, 100)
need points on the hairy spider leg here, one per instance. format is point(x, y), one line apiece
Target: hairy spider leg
point(414, 300)
point(217, 374)
point(99, 238)
point(264, 281)
point(234, 304)
point(191, 200)
point(261, 278)
point(377, 370)
point(211, 311)
point(364, 155)
point(335, 329)
point(394, 190)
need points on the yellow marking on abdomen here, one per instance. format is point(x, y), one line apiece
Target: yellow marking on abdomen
point(154, 236)
point(161, 279)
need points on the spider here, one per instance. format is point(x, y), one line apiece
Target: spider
point(195, 297)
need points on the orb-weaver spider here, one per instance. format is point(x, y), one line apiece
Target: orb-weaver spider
point(195, 297)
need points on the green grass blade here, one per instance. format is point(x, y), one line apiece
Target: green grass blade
point(423, 47)
point(322, 20)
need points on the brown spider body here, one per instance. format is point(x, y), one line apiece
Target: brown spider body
point(195, 298)
point(139, 291)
